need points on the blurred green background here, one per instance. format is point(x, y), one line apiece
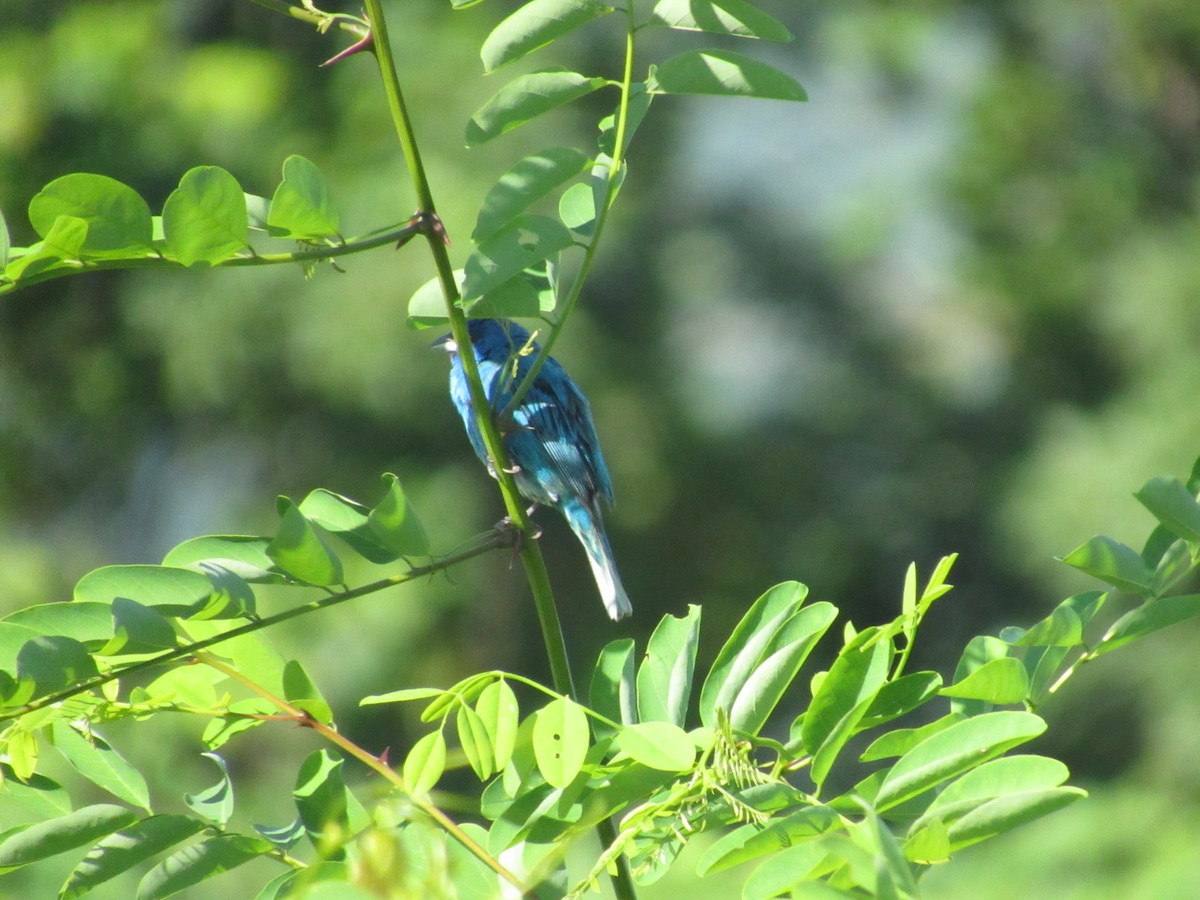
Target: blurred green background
point(950, 304)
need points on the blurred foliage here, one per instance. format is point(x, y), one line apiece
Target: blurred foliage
point(949, 304)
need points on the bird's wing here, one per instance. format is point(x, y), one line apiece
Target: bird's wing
point(559, 414)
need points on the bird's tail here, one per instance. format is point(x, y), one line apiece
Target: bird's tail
point(589, 528)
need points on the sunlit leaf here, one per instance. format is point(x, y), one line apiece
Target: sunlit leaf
point(613, 693)
point(1009, 811)
point(498, 711)
point(283, 836)
point(137, 629)
point(170, 591)
point(896, 698)
point(856, 676)
point(754, 842)
point(476, 742)
point(204, 219)
point(425, 763)
point(1148, 618)
point(244, 555)
point(954, 750)
point(664, 679)
point(560, 741)
point(118, 219)
point(722, 73)
point(1000, 681)
point(300, 691)
point(732, 17)
point(534, 25)
point(1111, 562)
point(658, 745)
point(302, 207)
point(394, 522)
point(301, 551)
point(51, 663)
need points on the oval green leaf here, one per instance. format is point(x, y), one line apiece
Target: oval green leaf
point(302, 207)
point(118, 219)
point(425, 763)
point(658, 745)
point(199, 862)
point(46, 839)
point(535, 25)
point(722, 73)
point(732, 17)
point(525, 98)
point(528, 181)
point(126, 848)
point(560, 741)
point(664, 679)
point(521, 244)
point(204, 219)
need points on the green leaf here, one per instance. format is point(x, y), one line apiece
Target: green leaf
point(955, 750)
point(658, 745)
point(560, 741)
point(1148, 618)
point(137, 629)
point(284, 837)
point(527, 97)
point(901, 740)
point(117, 218)
point(527, 295)
point(46, 839)
point(169, 591)
point(752, 842)
point(394, 522)
point(401, 696)
point(214, 804)
point(243, 715)
point(51, 663)
point(302, 552)
point(5, 243)
point(534, 25)
point(613, 693)
point(199, 862)
point(204, 219)
point(1008, 812)
point(577, 208)
point(350, 521)
point(93, 758)
point(1169, 501)
point(323, 800)
point(302, 207)
point(476, 742)
point(722, 73)
point(64, 241)
point(524, 184)
point(896, 698)
point(1111, 562)
point(425, 763)
point(519, 245)
point(1001, 681)
point(733, 17)
point(82, 621)
point(856, 675)
point(243, 555)
point(979, 651)
point(1062, 628)
point(774, 622)
point(37, 797)
point(664, 679)
point(785, 870)
point(126, 848)
point(1002, 776)
point(498, 711)
point(300, 691)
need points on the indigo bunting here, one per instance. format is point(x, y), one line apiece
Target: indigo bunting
point(550, 441)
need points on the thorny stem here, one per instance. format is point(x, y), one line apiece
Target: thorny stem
point(371, 761)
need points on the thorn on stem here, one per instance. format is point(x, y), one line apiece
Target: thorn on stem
point(366, 42)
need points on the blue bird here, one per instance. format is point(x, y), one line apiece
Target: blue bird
point(551, 441)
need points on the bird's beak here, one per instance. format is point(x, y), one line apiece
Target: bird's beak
point(447, 343)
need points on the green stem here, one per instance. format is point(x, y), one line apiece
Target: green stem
point(308, 254)
point(531, 555)
point(589, 256)
point(184, 651)
point(314, 17)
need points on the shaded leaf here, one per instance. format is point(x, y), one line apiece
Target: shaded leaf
point(137, 629)
point(1148, 618)
point(521, 244)
point(527, 97)
point(95, 759)
point(199, 862)
point(126, 848)
point(214, 803)
point(50, 663)
point(283, 836)
point(46, 839)
point(170, 591)
point(244, 555)
point(476, 742)
point(528, 181)
point(300, 691)
point(1169, 501)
